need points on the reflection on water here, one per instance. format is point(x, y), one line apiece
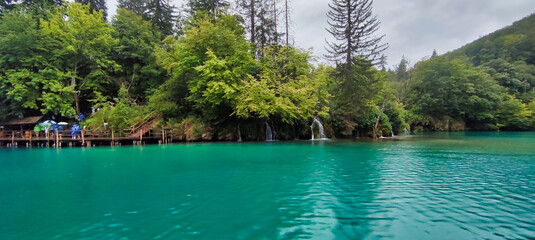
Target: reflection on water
point(432, 186)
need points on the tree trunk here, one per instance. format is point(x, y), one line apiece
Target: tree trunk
point(287, 25)
point(77, 103)
point(275, 23)
point(76, 94)
point(253, 13)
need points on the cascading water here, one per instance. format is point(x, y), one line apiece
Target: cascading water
point(239, 133)
point(320, 128)
point(269, 133)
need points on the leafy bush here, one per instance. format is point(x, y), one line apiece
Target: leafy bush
point(118, 115)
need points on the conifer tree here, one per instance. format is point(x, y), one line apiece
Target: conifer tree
point(434, 55)
point(137, 6)
point(96, 5)
point(161, 14)
point(209, 6)
point(261, 19)
point(353, 27)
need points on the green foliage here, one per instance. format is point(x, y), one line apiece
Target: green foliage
point(452, 88)
point(135, 53)
point(160, 13)
point(354, 104)
point(118, 115)
point(27, 77)
point(508, 56)
point(206, 6)
point(518, 78)
point(95, 6)
point(212, 60)
point(512, 114)
point(80, 44)
point(512, 43)
point(284, 89)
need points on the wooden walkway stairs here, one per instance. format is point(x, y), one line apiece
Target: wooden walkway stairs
point(145, 125)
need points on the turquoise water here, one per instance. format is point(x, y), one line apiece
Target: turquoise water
point(433, 186)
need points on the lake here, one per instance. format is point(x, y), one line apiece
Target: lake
point(427, 186)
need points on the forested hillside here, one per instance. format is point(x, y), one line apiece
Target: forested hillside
point(488, 84)
point(221, 70)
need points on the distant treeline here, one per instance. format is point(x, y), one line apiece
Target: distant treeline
point(214, 69)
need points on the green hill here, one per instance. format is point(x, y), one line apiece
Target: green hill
point(461, 89)
point(512, 43)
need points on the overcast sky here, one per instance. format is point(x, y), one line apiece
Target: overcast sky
point(413, 28)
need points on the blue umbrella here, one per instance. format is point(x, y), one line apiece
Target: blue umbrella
point(47, 124)
point(57, 128)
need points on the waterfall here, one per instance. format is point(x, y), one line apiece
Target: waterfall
point(320, 128)
point(239, 133)
point(269, 133)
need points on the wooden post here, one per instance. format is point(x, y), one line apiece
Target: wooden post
point(112, 138)
point(83, 139)
point(163, 136)
point(31, 138)
point(12, 138)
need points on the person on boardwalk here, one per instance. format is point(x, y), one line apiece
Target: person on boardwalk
point(75, 131)
point(37, 130)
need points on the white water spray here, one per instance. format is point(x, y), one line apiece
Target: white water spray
point(320, 128)
point(269, 133)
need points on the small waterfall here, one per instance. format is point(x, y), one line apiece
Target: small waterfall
point(239, 133)
point(320, 128)
point(269, 133)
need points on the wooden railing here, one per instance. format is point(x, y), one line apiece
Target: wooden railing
point(139, 125)
point(17, 135)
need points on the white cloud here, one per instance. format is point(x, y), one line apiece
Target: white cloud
point(413, 28)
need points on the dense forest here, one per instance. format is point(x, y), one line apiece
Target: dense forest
point(220, 70)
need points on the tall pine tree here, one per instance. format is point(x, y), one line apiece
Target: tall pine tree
point(353, 27)
point(208, 6)
point(161, 14)
point(261, 21)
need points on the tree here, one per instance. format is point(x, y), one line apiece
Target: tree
point(19, 67)
point(140, 74)
point(160, 13)
point(512, 114)
point(261, 19)
point(434, 55)
point(137, 6)
point(249, 11)
point(285, 89)
point(287, 12)
point(266, 29)
point(353, 27)
point(443, 88)
point(38, 8)
point(96, 5)
point(207, 6)
point(28, 81)
point(207, 68)
point(402, 70)
point(80, 43)
point(353, 105)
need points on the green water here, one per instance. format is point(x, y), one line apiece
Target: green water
point(435, 186)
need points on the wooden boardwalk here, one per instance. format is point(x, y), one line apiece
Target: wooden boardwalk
point(86, 138)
